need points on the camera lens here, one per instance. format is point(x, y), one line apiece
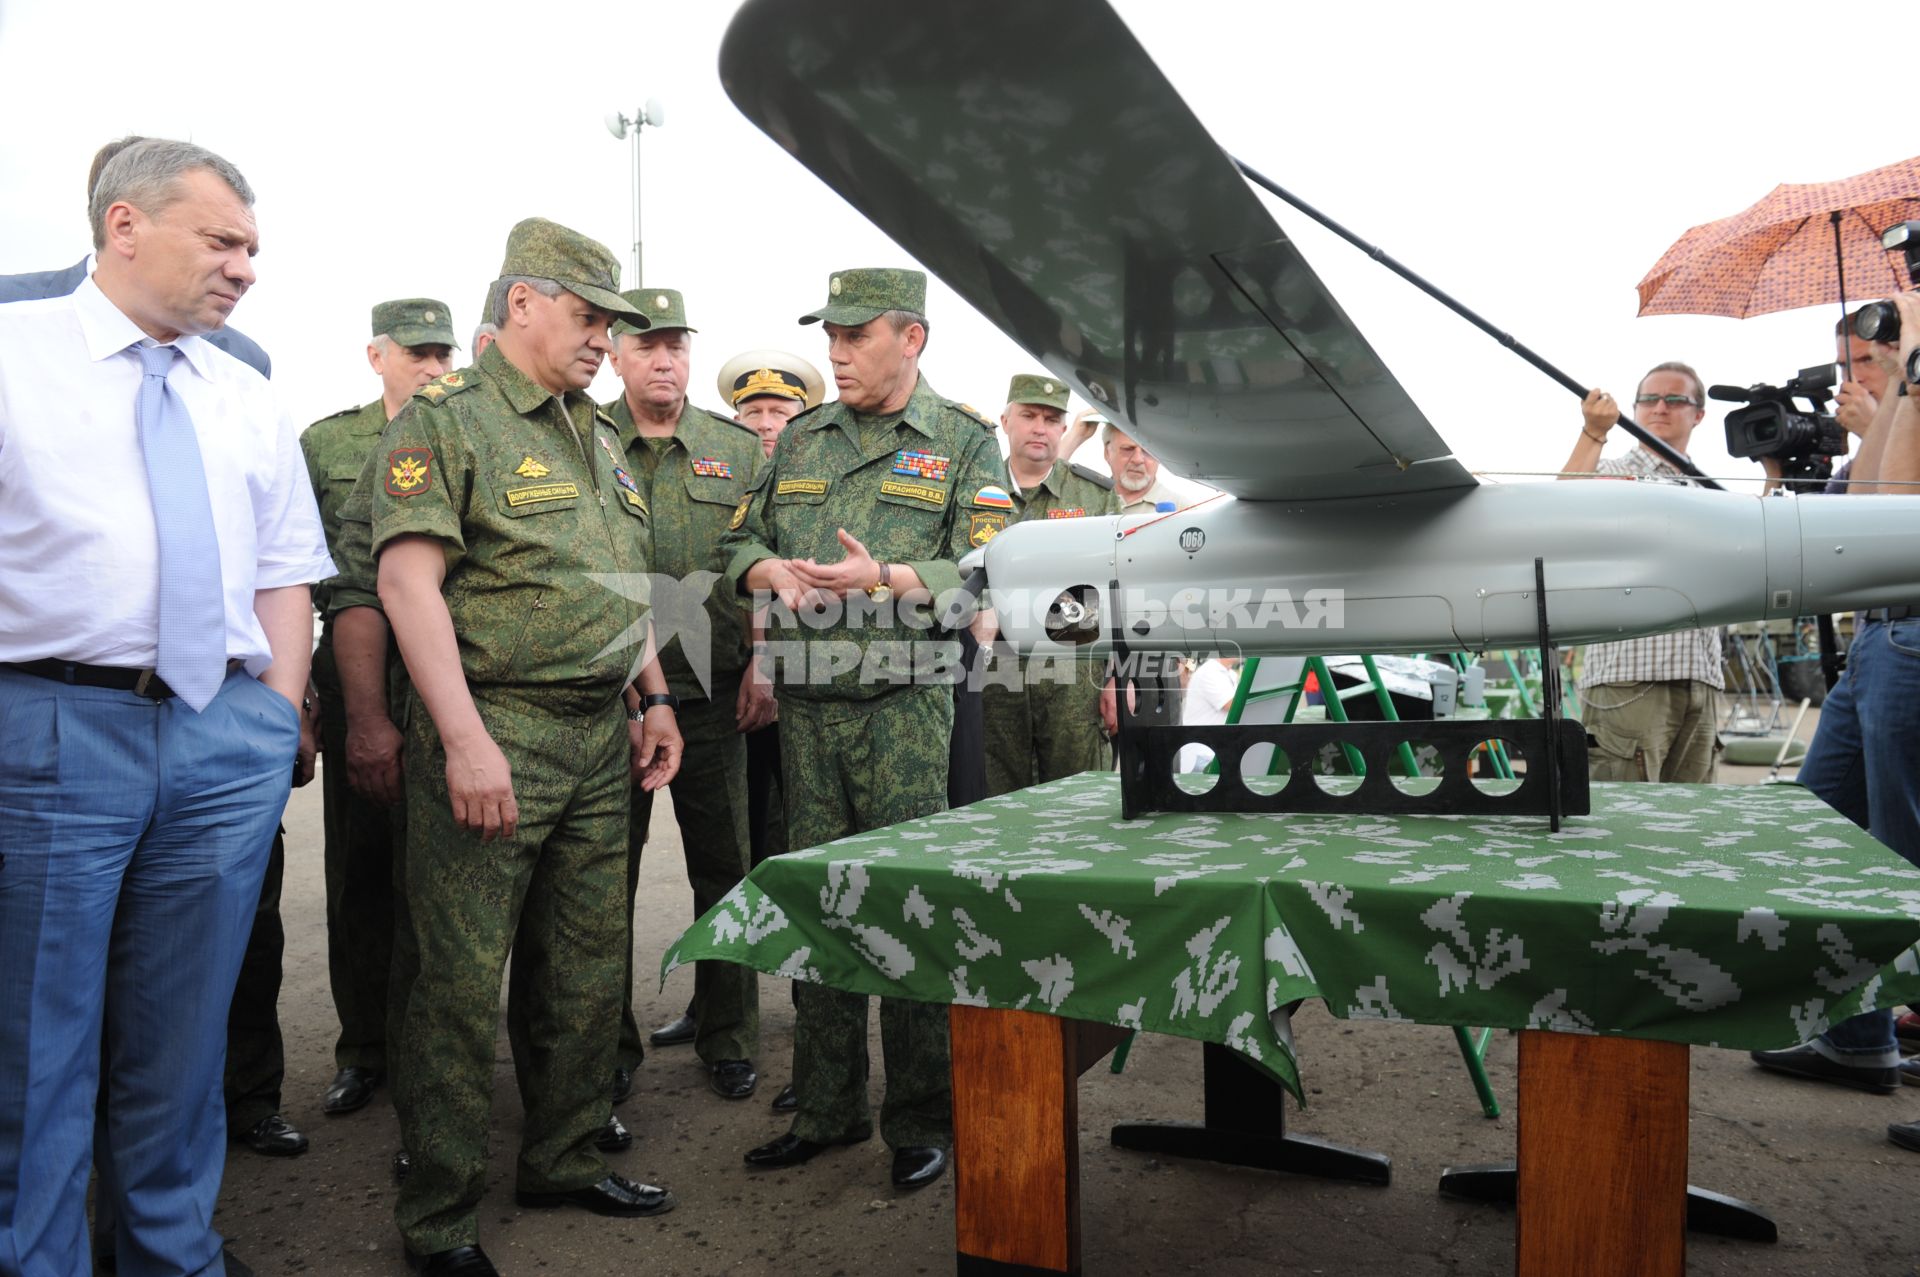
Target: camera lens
point(1877, 321)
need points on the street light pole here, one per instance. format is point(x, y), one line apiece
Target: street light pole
point(623, 126)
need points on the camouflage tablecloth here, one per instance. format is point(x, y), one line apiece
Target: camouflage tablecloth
point(1748, 917)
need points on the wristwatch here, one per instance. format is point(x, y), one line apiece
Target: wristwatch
point(882, 590)
point(651, 700)
point(1913, 366)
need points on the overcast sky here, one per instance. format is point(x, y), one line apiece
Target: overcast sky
point(1533, 161)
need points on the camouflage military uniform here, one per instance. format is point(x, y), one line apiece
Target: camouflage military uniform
point(359, 831)
point(356, 585)
point(861, 750)
point(1049, 727)
point(528, 495)
point(693, 481)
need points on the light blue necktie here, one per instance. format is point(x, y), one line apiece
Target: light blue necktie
point(193, 618)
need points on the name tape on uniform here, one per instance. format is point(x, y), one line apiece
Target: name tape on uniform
point(517, 497)
point(915, 491)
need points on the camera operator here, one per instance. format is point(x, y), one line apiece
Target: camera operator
point(1870, 369)
point(1652, 705)
point(1865, 756)
point(1868, 366)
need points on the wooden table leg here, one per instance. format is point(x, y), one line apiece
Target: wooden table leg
point(1016, 1143)
point(1602, 1151)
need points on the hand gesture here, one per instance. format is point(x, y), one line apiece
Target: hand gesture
point(480, 783)
point(657, 748)
point(373, 761)
point(850, 575)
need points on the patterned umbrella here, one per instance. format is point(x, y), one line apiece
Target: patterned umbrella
point(1782, 253)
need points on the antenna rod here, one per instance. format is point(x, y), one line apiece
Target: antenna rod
point(1659, 447)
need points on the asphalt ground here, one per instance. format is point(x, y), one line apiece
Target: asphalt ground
point(1815, 1156)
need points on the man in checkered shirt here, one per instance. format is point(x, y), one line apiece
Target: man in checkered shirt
point(1652, 704)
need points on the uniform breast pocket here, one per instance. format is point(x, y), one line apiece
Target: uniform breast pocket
point(711, 490)
point(340, 481)
point(908, 521)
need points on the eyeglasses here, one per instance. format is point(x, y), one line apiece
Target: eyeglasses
point(1671, 401)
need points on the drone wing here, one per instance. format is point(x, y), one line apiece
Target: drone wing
point(1033, 157)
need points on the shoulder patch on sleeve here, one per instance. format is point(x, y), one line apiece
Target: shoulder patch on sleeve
point(1094, 477)
point(409, 471)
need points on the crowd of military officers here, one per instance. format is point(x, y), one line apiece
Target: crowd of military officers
point(548, 609)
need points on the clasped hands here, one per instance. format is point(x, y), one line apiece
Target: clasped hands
point(803, 584)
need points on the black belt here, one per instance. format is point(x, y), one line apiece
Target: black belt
point(1900, 613)
point(140, 682)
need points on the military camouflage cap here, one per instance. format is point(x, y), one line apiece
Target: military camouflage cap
point(415, 321)
point(540, 249)
point(663, 307)
point(856, 296)
point(1042, 389)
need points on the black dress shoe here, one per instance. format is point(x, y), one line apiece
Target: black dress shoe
point(234, 1267)
point(622, 1085)
point(1805, 1061)
point(613, 1137)
point(788, 1101)
point(614, 1195)
point(791, 1150)
point(273, 1136)
point(352, 1087)
point(918, 1167)
point(733, 1079)
point(402, 1166)
point(680, 1032)
point(461, 1261)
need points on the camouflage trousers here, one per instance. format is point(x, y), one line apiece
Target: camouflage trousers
point(848, 767)
point(359, 869)
point(551, 895)
point(710, 805)
point(1043, 730)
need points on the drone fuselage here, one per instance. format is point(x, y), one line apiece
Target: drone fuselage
point(1447, 570)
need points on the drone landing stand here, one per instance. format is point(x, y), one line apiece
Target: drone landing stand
point(1150, 741)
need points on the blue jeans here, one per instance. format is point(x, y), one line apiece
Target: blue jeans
point(1865, 763)
point(133, 838)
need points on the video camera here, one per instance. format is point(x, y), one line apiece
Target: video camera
point(1879, 321)
point(1804, 442)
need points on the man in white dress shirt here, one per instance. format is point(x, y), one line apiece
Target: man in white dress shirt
point(157, 536)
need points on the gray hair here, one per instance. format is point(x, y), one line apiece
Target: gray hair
point(147, 175)
point(382, 342)
point(901, 320)
point(497, 301)
point(486, 329)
